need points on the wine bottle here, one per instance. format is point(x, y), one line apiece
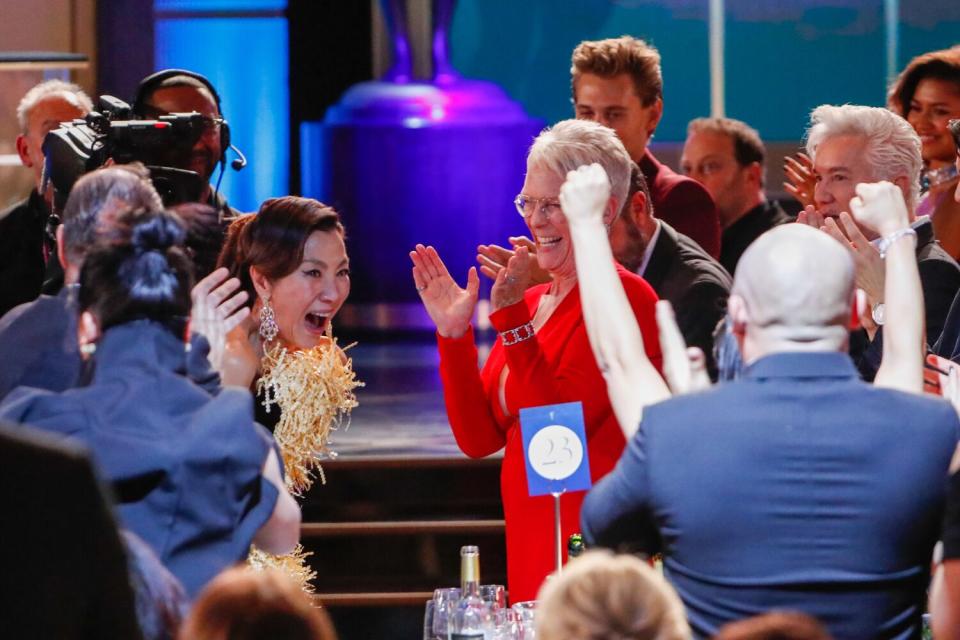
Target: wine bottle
point(474, 618)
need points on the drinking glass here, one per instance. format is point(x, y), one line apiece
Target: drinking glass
point(429, 610)
point(445, 608)
point(507, 625)
point(495, 594)
point(526, 614)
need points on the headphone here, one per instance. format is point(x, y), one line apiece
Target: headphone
point(150, 84)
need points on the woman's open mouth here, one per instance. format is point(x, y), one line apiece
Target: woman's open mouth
point(316, 323)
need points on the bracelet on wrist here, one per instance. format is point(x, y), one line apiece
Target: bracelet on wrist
point(511, 337)
point(887, 241)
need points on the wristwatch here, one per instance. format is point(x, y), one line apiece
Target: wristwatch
point(878, 313)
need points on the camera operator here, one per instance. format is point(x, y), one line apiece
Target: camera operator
point(181, 91)
point(25, 245)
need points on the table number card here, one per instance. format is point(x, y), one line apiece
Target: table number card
point(555, 449)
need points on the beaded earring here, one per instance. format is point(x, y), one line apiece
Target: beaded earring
point(268, 322)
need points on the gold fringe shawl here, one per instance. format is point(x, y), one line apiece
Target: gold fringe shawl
point(313, 388)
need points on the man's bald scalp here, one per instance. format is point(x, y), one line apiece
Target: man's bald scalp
point(796, 279)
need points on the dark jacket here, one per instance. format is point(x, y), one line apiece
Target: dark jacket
point(797, 487)
point(185, 466)
point(38, 346)
point(940, 280)
point(683, 202)
point(694, 283)
point(738, 236)
point(24, 249)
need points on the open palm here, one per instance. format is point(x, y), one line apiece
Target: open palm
point(450, 306)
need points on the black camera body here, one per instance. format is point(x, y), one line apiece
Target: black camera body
point(83, 145)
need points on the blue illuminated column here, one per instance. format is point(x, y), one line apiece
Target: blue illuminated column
point(242, 47)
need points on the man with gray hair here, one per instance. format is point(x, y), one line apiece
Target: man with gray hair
point(25, 243)
point(851, 144)
point(38, 340)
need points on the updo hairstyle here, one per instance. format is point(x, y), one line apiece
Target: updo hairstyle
point(144, 275)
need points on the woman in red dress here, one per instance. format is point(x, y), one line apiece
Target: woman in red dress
point(542, 355)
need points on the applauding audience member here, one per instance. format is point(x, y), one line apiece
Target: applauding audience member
point(851, 144)
point(542, 355)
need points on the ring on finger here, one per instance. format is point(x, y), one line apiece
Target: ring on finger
point(421, 289)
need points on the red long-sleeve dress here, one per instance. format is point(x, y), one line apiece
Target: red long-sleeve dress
point(555, 366)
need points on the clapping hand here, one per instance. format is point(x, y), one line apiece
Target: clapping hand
point(685, 369)
point(493, 258)
point(870, 272)
point(512, 280)
point(217, 308)
point(585, 194)
point(811, 217)
point(450, 306)
point(801, 179)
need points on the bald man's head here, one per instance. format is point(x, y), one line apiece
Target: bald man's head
point(796, 285)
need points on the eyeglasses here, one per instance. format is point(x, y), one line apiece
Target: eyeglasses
point(527, 206)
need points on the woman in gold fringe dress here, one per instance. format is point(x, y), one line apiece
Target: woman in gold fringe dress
point(291, 259)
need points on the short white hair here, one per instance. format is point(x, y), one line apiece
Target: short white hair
point(892, 146)
point(570, 144)
point(45, 89)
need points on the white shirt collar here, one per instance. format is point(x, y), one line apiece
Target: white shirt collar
point(648, 252)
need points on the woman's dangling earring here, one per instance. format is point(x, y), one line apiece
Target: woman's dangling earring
point(268, 322)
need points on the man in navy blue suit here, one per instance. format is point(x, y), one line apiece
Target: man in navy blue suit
point(798, 486)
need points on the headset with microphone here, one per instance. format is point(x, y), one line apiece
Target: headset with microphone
point(152, 82)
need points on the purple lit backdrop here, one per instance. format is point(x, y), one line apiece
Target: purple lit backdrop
point(406, 163)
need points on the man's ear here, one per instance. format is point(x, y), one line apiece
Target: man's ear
point(261, 283)
point(23, 150)
point(739, 316)
point(610, 211)
point(656, 112)
point(755, 171)
point(638, 207)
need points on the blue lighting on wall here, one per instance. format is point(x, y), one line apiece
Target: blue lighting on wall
point(245, 56)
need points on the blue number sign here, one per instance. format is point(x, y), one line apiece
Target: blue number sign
point(555, 449)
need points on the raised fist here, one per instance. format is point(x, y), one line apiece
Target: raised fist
point(879, 206)
point(585, 194)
